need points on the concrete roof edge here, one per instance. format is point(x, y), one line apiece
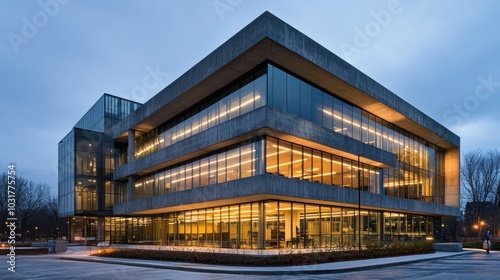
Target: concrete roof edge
point(269, 26)
point(242, 41)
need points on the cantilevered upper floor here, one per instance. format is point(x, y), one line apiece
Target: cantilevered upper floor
point(271, 80)
point(268, 38)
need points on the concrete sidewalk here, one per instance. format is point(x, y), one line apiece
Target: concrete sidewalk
point(81, 253)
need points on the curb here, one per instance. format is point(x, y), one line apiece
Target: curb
point(295, 270)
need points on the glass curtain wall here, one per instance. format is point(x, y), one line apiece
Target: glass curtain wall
point(87, 159)
point(290, 160)
point(231, 163)
point(88, 171)
point(66, 175)
point(240, 97)
point(245, 159)
point(269, 225)
point(419, 174)
point(405, 227)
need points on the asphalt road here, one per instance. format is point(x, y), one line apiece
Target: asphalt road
point(477, 265)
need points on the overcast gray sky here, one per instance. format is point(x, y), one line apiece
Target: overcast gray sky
point(57, 57)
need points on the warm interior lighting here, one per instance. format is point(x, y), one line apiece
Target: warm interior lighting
point(406, 183)
point(308, 176)
point(216, 117)
point(220, 171)
point(286, 163)
point(186, 131)
point(362, 127)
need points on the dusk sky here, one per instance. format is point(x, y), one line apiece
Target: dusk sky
point(57, 58)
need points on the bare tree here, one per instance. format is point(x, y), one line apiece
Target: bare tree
point(20, 184)
point(36, 209)
point(52, 222)
point(480, 174)
point(31, 199)
point(496, 205)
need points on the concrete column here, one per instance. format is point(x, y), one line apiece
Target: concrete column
point(131, 145)
point(69, 236)
point(381, 227)
point(100, 229)
point(261, 235)
point(288, 225)
point(131, 188)
point(381, 189)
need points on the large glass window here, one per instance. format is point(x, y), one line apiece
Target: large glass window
point(285, 158)
point(281, 225)
point(235, 162)
point(85, 195)
point(240, 97)
point(296, 161)
point(323, 108)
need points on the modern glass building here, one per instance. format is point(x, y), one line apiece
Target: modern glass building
point(269, 142)
point(86, 163)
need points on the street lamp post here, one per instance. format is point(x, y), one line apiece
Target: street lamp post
point(479, 227)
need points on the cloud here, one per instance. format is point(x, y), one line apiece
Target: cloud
point(476, 133)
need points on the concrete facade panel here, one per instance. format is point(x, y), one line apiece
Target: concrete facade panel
point(229, 62)
point(265, 120)
point(269, 186)
point(452, 177)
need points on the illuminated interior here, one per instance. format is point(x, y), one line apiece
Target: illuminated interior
point(270, 225)
point(242, 160)
point(418, 174)
point(236, 162)
point(237, 99)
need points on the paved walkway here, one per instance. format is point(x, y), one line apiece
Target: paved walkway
point(82, 253)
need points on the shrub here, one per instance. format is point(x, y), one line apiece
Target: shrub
point(287, 258)
point(479, 245)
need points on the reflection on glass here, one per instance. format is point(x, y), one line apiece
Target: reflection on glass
point(422, 182)
point(245, 95)
point(226, 165)
point(295, 161)
point(284, 225)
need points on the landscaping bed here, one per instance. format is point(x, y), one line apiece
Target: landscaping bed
point(24, 251)
point(284, 258)
point(479, 245)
